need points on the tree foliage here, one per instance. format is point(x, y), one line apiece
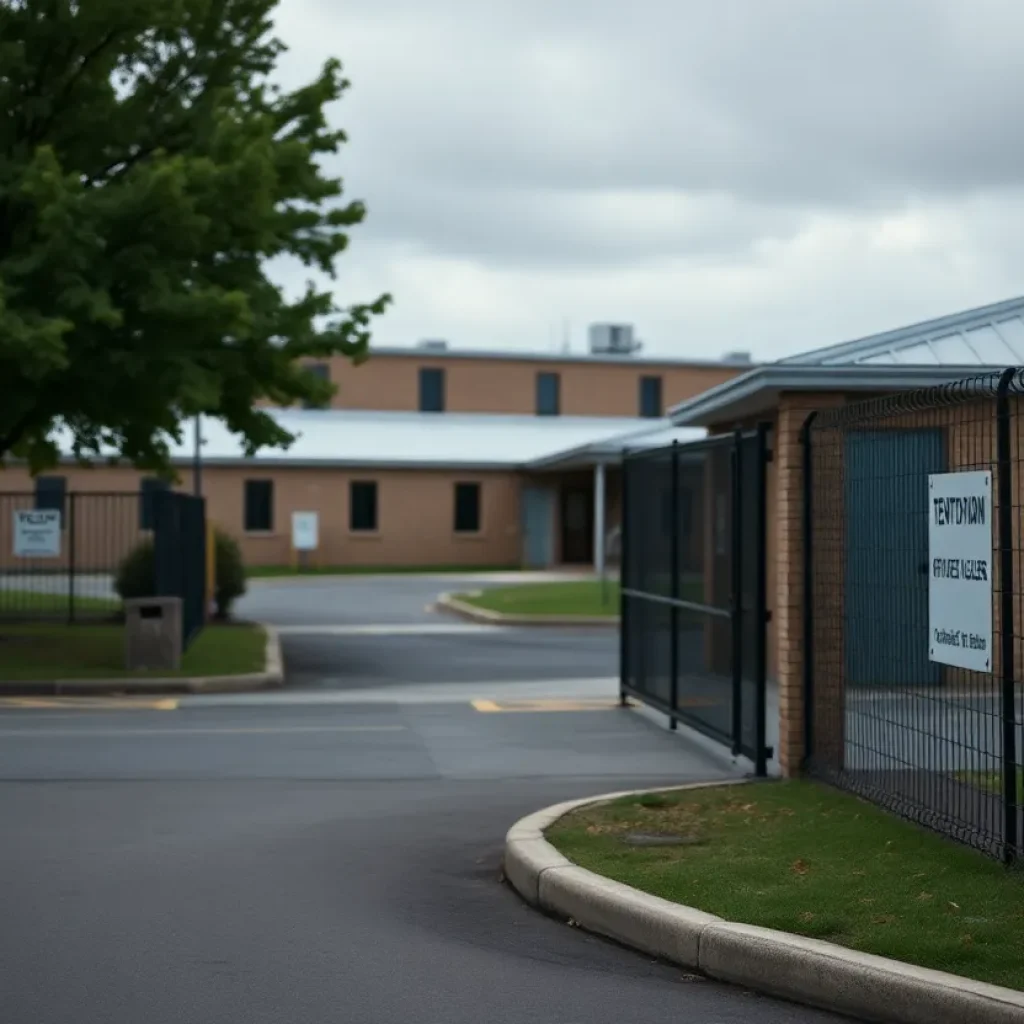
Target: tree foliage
point(149, 170)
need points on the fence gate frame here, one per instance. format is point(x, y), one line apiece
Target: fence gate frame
point(943, 791)
point(180, 556)
point(746, 611)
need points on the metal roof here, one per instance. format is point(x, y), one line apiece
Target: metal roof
point(525, 355)
point(339, 438)
point(989, 336)
point(656, 434)
point(758, 392)
point(933, 352)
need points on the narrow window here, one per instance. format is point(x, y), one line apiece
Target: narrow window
point(362, 505)
point(650, 397)
point(259, 506)
point(50, 493)
point(548, 394)
point(321, 370)
point(467, 508)
point(431, 389)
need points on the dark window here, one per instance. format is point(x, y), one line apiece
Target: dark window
point(548, 388)
point(431, 390)
point(148, 486)
point(467, 508)
point(362, 505)
point(50, 493)
point(650, 397)
point(321, 370)
point(259, 505)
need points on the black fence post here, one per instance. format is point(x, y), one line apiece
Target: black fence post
point(808, 587)
point(761, 605)
point(736, 545)
point(71, 557)
point(624, 562)
point(673, 614)
point(1006, 624)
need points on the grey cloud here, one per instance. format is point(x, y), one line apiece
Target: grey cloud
point(784, 101)
point(576, 229)
point(576, 147)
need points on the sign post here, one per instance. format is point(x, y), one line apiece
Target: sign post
point(305, 535)
point(37, 533)
point(960, 570)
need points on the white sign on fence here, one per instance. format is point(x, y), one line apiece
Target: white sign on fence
point(37, 533)
point(305, 531)
point(960, 569)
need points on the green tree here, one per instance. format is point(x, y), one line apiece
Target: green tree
point(150, 168)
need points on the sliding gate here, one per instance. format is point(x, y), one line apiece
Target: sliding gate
point(694, 589)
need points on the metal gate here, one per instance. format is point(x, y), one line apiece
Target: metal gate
point(179, 555)
point(693, 637)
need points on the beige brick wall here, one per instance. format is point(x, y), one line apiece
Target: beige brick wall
point(415, 515)
point(391, 382)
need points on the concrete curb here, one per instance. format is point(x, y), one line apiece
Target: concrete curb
point(803, 970)
point(271, 677)
point(450, 603)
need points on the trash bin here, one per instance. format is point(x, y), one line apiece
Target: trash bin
point(152, 633)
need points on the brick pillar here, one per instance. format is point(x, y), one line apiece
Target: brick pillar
point(789, 547)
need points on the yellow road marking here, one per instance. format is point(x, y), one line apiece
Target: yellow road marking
point(92, 703)
point(486, 705)
point(492, 706)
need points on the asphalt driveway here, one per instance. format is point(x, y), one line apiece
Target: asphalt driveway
point(321, 854)
point(385, 633)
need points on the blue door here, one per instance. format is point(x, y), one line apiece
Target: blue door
point(885, 610)
point(538, 505)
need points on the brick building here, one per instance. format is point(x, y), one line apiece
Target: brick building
point(783, 394)
point(436, 456)
point(428, 456)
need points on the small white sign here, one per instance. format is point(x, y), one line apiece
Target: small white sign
point(37, 533)
point(960, 570)
point(305, 531)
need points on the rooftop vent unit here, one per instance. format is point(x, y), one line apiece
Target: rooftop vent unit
point(612, 339)
point(736, 357)
point(434, 345)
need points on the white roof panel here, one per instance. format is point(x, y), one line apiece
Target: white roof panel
point(655, 434)
point(989, 336)
point(413, 440)
point(973, 342)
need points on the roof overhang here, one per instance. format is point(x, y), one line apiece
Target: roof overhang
point(903, 337)
point(758, 392)
point(275, 462)
point(609, 450)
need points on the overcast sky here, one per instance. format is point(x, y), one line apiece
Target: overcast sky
point(768, 175)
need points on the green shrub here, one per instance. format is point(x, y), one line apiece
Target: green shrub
point(136, 573)
point(230, 573)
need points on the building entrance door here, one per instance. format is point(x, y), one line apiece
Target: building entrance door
point(577, 525)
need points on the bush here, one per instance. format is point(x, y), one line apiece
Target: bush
point(230, 573)
point(136, 574)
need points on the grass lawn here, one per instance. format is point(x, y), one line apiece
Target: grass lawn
point(992, 782)
point(16, 602)
point(40, 651)
point(804, 858)
point(578, 597)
